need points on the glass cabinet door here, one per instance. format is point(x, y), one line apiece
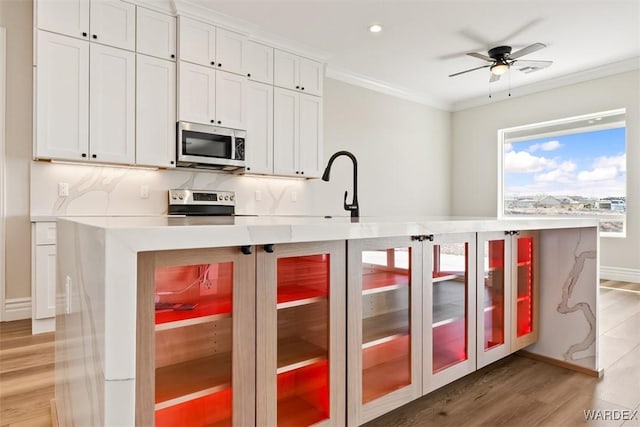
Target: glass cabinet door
point(300, 307)
point(200, 336)
point(525, 299)
point(494, 297)
point(382, 343)
point(450, 309)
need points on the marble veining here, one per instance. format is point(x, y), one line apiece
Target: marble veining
point(96, 180)
point(565, 308)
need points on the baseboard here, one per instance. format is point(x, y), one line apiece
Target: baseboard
point(561, 363)
point(17, 309)
point(620, 274)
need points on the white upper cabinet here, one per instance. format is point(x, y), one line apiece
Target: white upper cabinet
point(70, 17)
point(297, 73)
point(113, 23)
point(197, 42)
point(196, 93)
point(155, 112)
point(62, 97)
point(259, 62)
point(259, 150)
point(112, 105)
point(229, 51)
point(230, 93)
point(310, 136)
point(285, 132)
point(156, 34)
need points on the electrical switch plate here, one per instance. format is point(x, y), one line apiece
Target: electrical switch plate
point(258, 195)
point(63, 189)
point(144, 191)
point(294, 196)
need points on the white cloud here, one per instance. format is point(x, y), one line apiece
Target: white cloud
point(563, 173)
point(545, 146)
point(508, 147)
point(599, 174)
point(523, 162)
point(619, 162)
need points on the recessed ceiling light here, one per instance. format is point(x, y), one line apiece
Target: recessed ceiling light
point(598, 118)
point(375, 28)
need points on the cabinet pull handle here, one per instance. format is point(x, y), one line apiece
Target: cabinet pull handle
point(95, 37)
point(84, 154)
point(248, 74)
point(297, 87)
point(84, 34)
point(213, 121)
point(268, 248)
point(517, 233)
point(301, 172)
point(93, 156)
point(302, 88)
point(213, 63)
point(246, 250)
point(219, 64)
point(507, 233)
point(172, 55)
point(219, 122)
point(171, 162)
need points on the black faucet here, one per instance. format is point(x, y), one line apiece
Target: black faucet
point(353, 207)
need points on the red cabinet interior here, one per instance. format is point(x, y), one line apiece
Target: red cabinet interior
point(524, 313)
point(493, 294)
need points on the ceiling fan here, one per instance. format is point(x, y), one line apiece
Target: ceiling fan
point(501, 59)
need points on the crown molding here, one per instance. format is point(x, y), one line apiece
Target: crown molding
point(561, 81)
point(164, 6)
point(350, 77)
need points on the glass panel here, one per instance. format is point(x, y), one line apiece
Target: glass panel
point(493, 296)
point(449, 326)
point(386, 328)
point(303, 339)
point(524, 322)
point(193, 344)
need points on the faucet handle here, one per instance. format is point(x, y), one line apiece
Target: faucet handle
point(347, 206)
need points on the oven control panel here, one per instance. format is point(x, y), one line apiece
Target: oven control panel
point(201, 202)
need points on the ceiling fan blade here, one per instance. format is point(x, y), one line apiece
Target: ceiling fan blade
point(532, 64)
point(467, 71)
point(494, 77)
point(481, 56)
point(527, 50)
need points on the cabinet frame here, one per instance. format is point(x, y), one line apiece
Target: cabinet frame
point(359, 413)
point(243, 341)
point(518, 343)
point(266, 329)
point(431, 381)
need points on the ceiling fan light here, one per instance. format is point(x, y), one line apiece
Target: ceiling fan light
point(375, 28)
point(499, 69)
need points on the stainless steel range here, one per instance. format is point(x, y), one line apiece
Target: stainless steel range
point(202, 202)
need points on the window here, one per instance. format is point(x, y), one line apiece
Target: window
point(570, 167)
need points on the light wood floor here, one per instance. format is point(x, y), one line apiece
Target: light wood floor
point(513, 392)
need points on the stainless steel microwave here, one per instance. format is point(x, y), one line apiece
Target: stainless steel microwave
point(211, 147)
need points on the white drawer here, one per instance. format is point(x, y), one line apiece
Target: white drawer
point(45, 233)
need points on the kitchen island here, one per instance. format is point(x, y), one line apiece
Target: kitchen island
point(109, 339)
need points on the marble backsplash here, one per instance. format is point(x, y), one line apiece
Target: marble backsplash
point(100, 190)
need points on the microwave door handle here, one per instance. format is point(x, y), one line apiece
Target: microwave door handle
point(233, 148)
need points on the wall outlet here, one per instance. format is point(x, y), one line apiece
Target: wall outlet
point(258, 195)
point(208, 287)
point(144, 191)
point(63, 189)
point(294, 196)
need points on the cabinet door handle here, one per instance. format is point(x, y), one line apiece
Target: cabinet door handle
point(297, 87)
point(302, 88)
point(248, 74)
point(84, 34)
point(246, 250)
point(172, 162)
point(219, 122)
point(219, 64)
point(213, 121)
point(213, 63)
point(84, 154)
point(172, 55)
point(93, 156)
point(95, 36)
point(429, 237)
point(268, 248)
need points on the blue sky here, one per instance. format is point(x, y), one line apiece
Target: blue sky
point(590, 164)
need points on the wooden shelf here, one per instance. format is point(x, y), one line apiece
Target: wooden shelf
point(385, 327)
point(295, 411)
point(207, 309)
point(525, 263)
point(383, 281)
point(295, 295)
point(385, 378)
point(443, 276)
point(295, 353)
point(190, 380)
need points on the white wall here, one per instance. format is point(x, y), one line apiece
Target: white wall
point(17, 18)
point(475, 150)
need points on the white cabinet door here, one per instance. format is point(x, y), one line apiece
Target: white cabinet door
point(285, 132)
point(112, 105)
point(229, 51)
point(155, 112)
point(230, 110)
point(285, 72)
point(113, 22)
point(259, 62)
point(70, 17)
point(197, 41)
point(45, 282)
point(156, 34)
point(62, 97)
point(311, 76)
point(310, 136)
point(259, 146)
point(196, 93)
